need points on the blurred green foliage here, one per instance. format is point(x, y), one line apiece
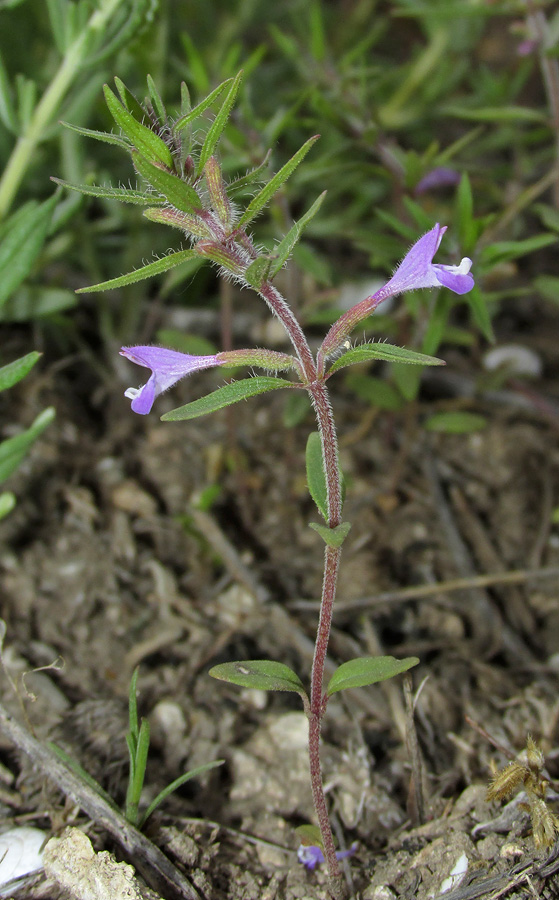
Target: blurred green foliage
point(457, 92)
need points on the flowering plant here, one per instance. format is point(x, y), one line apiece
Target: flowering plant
point(189, 192)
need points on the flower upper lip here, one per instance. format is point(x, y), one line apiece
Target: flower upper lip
point(167, 367)
point(417, 269)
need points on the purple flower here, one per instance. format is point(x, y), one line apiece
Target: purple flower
point(312, 856)
point(440, 177)
point(167, 367)
point(417, 269)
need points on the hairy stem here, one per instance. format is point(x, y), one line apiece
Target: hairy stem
point(327, 429)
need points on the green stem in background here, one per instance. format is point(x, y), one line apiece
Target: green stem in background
point(47, 109)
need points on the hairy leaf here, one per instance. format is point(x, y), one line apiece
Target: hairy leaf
point(125, 195)
point(218, 125)
point(178, 192)
point(146, 141)
point(154, 268)
point(226, 396)
point(387, 352)
point(316, 474)
point(263, 197)
point(285, 248)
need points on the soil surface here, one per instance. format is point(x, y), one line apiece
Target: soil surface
point(112, 560)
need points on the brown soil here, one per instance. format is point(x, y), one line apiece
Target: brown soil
point(106, 564)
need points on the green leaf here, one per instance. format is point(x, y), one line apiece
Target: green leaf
point(218, 125)
point(548, 287)
point(495, 114)
point(247, 180)
point(367, 670)
point(316, 474)
point(258, 203)
point(156, 100)
point(226, 396)
point(178, 192)
point(285, 247)
point(480, 312)
point(192, 114)
point(296, 408)
point(125, 195)
point(104, 136)
point(259, 271)
point(375, 391)
point(7, 109)
point(455, 422)
point(261, 674)
point(18, 369)
point(146, 141)
point(333, 537)
point(140, 763)
point(33, 301)
point(467, 231)
point(503, 251)
point(133, 728)
point(388, 352)
point(7, 503)
point(23, 237)
point(407, 379)
point(199, 770)
point(13, 449)
point(75, 767)
point(154, 268)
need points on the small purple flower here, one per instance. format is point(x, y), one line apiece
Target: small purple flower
point(167, 367)
point(440, 177)
point(312, 856)
point(417, 270)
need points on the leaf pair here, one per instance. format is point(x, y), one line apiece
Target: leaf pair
point(267, 675)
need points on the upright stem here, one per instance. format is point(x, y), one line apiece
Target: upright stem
point(327, 429)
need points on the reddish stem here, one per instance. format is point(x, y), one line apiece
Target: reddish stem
point(327, 429)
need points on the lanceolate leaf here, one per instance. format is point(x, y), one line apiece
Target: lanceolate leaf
point(388, 352)
point(16, 370)
point(14, 449)
point(256, 174)
point(226, 396)
point(23, 238)
point(218, 125)
point(154, 268)
point(104, 136)
point(316, 476)
point(125, 195)
point(264, 196)
point(177, 192)
point(199, 770)
point(144, 139)
point(285, 247)
point(262, 674)
point(201, 107)
point(455, 422)
point(367, 670)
